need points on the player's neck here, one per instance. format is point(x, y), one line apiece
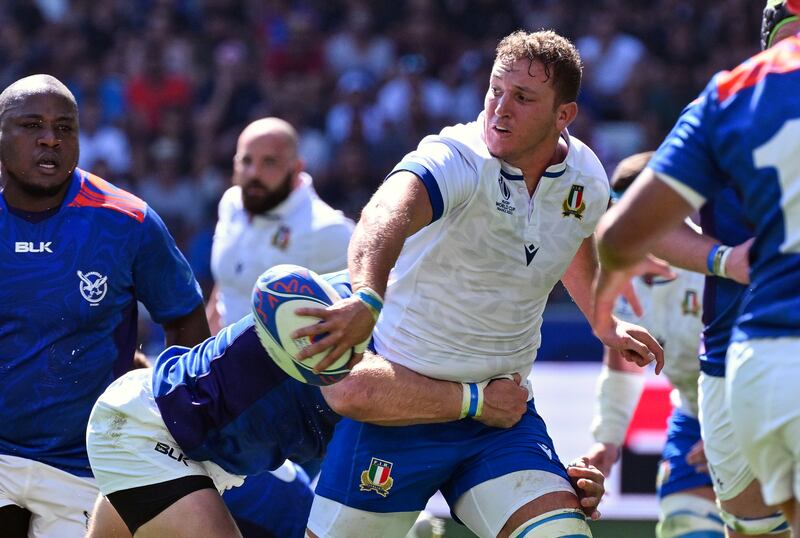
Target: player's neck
point(545, 156)
point(33, 203)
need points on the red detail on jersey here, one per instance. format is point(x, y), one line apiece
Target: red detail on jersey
point(97, 192)
point(782, 58)
point(793, 5)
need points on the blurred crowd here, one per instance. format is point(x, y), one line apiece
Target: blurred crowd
point(165, 86)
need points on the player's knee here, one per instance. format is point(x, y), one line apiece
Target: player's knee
point(564, 522)
point(772, 524)
point(684, 515)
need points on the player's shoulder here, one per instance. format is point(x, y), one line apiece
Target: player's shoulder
point(781, 59)
point(231, 199)
point(583, 162)
point(97, 193)
point(462, 142)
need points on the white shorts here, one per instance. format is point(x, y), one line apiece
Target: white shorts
point(763, 376)
point(727, 465)
point(59, 502)
point(484, 509)
point(129, 446)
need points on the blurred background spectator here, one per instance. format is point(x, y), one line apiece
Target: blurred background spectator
point(165, 86)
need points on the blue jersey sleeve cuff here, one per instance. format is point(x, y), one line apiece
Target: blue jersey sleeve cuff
point(434, 194)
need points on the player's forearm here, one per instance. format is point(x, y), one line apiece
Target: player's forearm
point(380, 392)
point(618, 389)
point(630, 229)
point(188, 330)
point(397, 210)
point(686, 248)
point(580, 275)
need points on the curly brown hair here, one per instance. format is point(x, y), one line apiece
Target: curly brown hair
point(557, 54)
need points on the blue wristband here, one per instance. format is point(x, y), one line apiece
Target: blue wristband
point(473, 400)
point(710, 259)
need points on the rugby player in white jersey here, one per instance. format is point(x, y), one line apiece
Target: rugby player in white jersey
point(271, 215)
point(672, 309)
point(477, 226)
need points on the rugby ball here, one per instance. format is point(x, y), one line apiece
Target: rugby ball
point(280, 291)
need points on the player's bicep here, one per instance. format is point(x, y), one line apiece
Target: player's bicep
point(163, 280)
point(405, 193)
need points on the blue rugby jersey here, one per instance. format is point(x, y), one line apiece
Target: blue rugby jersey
point(743, 132)
point(71, 278)
point(722, 218)
point(226, 401)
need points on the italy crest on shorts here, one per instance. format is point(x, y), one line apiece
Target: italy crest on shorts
point(378, 477)
point(573, 204)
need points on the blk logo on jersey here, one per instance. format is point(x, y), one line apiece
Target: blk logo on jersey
point(378, 477)
point(93, 286)
point(504, 205)
point(530, 253)
point(33, 248)
point(573, 205)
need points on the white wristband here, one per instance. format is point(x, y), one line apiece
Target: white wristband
point(617, 396)
point(723, 262)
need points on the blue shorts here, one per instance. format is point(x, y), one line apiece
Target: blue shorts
point(397, 469)
point(268, 506)
point(674, 474)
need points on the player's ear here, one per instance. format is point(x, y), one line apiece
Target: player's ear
point(565, 114)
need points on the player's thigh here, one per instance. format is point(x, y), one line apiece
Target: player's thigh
point(382, 477)
point(689, 513)
point(514, 473)
point(728, 468)
point(333, 519)
point(201, 513)
point(105, 521)
point(500, 505)
point(59, 502)
point(767, 413)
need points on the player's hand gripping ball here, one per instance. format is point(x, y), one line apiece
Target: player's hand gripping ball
point(278, 292)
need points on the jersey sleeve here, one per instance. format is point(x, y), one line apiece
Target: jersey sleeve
point(163, 280)
point(449, 178)
point(686, 160)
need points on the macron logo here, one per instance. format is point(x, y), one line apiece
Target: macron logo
point(546, 450)
point(22, 246)
point(530, 253)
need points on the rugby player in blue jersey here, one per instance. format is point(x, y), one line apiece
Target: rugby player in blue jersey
point(742, 133)
point(76, 255)
point(164, 441)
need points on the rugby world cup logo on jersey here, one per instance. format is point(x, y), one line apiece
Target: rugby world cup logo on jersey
point(573, 205)
point(504, 204)
point(378, 477)
point(93, 286)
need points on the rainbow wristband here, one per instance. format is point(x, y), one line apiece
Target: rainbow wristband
point(471, 400)
point(371, 300)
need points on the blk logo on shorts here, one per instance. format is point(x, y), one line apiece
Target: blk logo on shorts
point(377, 478)
point(170, 451)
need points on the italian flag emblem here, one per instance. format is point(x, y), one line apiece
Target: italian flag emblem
point(378, 477)
point(573, 204)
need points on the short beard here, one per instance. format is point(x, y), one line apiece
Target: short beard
point(34, 191)
point(258, 205)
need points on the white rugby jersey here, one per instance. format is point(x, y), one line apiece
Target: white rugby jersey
point(673, 314)
point(464, 301)
point(302, 230)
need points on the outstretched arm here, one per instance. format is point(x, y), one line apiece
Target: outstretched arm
point(633, 342)
point(388, 394)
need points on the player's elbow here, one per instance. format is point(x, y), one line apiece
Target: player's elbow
point(350, 398)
